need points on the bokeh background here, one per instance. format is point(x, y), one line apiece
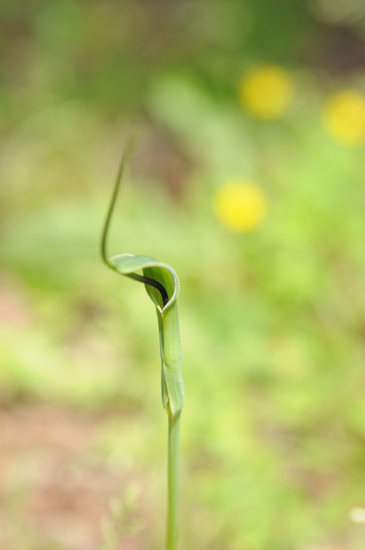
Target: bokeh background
point(249, 180)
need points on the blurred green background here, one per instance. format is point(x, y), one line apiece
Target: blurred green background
point(272, 317)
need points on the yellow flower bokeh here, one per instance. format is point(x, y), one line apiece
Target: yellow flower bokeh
point(344, 117)
point(240, 206)
point(266, 91)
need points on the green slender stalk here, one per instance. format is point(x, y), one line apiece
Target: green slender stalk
point(163, 286)
point(173, 480)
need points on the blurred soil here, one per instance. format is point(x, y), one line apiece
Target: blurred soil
point(55, 491)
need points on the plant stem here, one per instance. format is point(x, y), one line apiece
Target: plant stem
point(173, 480)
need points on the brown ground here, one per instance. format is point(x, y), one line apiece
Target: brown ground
point(55, 491)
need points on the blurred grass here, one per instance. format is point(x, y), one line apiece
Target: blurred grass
point(273, 321)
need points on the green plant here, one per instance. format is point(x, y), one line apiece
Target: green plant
point(162, 285)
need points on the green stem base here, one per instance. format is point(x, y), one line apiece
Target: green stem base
point(173, 480)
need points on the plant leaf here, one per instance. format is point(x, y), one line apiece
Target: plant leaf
point(163, 286)
point(173, 395)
